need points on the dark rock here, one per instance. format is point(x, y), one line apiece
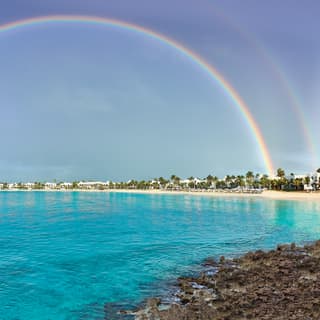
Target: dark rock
point(209, 262)
point(153, 302)
point(280, 284)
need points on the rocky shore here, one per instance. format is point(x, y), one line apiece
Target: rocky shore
point(279, 284)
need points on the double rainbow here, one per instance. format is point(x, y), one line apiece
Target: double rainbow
point(278, 73)
point(213, 73)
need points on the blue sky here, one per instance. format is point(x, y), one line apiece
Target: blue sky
point(93, 102)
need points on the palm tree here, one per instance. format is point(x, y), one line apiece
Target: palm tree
point(154, 184)
point(209, 179)
point(298, 183)
point(282, 175)
point(240, 181)
point(215, 181)
point(291, 183)
point(141, 184)
point(173, 177)
point(191, 182)
point(249, 178)
point(233, 181)
point(75, 185)
point(221, 184)
point(163, 182)
point(175, 180)
point(264, 181)
point(228, 180)
point(132, 184)
point(307, 180)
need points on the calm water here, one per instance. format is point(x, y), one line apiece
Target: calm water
point(68, 255)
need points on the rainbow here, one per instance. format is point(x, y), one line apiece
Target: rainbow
point(211, 71)
point(297, 108)
point(278, 74)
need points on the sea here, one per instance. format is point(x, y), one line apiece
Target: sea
point(86, 255)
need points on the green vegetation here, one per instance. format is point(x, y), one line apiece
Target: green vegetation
point(249, 181)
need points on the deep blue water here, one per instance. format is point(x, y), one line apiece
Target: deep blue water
point(67, 255)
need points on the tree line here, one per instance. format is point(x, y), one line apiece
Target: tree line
point(250, 180)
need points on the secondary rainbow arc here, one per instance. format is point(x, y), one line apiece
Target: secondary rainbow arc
point(279, 74)
point(213, 73)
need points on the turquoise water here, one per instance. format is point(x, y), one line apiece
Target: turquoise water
point(72, 255)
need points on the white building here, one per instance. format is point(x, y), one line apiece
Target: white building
point(155, 184)
point(65, 185)
point(315, 180)
point(300, 176)
point(50, 185)
point(29, 185)
point(93, 184)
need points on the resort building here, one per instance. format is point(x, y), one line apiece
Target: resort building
point(93, 184)
point(155, 184)
point(315, 180)
point(311, 180)
point(28, 185)
point(65, 185)
point(50, 185)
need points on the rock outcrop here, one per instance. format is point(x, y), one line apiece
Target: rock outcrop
point(279, 284)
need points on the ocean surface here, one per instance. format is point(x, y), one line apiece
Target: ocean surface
point(73, 255)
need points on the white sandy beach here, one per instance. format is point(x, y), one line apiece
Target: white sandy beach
point(268, 194)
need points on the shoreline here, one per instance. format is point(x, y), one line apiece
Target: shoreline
point(282, 284)
point(267, 194)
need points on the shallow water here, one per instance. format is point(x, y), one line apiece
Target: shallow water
point(73, 255)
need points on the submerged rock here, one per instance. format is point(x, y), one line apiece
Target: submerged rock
point(279, 284)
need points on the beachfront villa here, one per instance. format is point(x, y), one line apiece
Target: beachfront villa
point(155, 184)
point(65, 185)
point(50, 185)
point(195, 181)
point(311, 181)
point(29, 185)
point(93, 184)
point(315, 179)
